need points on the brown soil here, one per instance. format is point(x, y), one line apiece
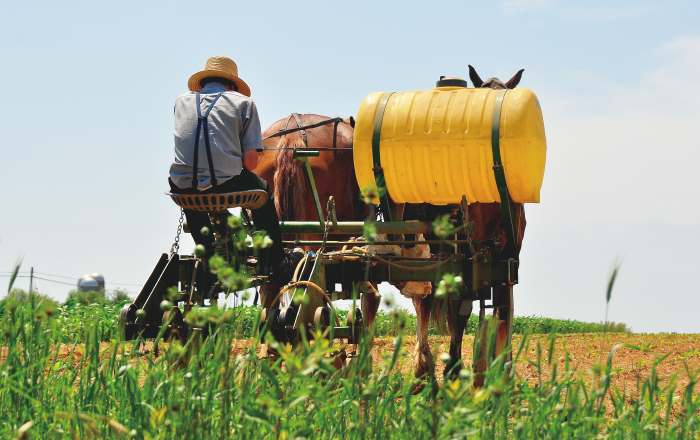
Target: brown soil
point(585, 350)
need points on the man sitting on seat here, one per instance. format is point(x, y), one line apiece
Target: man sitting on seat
point(218, 120)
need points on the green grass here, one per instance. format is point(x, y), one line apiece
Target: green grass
point(74, 319)
point(202, 391)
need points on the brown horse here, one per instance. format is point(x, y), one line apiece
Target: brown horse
point(333, 172)
point(335, 176)
point(488, 225)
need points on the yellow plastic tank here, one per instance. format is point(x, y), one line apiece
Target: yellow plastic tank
point(435, 145)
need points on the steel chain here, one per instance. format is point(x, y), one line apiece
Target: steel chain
point(176, 245)
point(465, 223)
point(330, 206)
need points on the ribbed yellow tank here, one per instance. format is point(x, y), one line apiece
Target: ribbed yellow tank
point(435, 145)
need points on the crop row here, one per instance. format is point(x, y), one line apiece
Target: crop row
point(74, 319)
point(206, 390)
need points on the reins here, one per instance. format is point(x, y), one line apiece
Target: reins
point(302, 129)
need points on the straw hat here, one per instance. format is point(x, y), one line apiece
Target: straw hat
point(222, 67)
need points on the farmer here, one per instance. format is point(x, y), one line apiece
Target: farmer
point(230, 129)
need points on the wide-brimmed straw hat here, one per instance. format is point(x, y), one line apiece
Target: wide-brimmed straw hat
point(221, 67)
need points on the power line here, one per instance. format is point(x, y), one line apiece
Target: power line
point(57, 282)
point(70, 278)
point(111, 282)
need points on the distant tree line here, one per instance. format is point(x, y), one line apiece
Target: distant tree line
point(45, 302)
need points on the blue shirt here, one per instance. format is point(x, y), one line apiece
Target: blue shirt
point(234, 128)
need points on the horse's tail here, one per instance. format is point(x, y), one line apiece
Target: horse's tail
point(439, 314)
point(289, 185)
point(429, 308)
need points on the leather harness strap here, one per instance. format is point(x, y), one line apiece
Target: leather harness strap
point(300, 128)
point(202, 121)
point(335, 132)
point(302, 131)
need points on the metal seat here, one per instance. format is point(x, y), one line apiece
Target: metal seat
point(219, 202)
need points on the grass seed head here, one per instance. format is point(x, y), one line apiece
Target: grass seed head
point(200, 250)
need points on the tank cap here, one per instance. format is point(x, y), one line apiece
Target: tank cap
point(451, 81)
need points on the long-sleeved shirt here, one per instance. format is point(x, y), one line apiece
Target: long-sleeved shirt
point(234, 128)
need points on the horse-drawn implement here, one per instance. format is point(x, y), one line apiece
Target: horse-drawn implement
point(474, 155)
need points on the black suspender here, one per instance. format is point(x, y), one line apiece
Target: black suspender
point(202, 121)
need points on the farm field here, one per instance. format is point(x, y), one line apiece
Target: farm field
point(96, 389)
point(630, 364)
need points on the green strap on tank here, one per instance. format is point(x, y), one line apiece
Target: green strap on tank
point(500, 174)
point(387, 206)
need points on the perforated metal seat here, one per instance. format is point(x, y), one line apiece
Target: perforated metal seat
point(218, 202)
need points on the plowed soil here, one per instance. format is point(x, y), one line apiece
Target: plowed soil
point(630, 364)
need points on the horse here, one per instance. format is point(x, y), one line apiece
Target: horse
point(333, 173)
point(336, 177)
point(488, 225)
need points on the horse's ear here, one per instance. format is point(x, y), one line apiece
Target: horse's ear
point(350, 121)
point(475, 77)
point(513, 82)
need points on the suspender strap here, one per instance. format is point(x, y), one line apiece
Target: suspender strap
point(206, 144)
point(202, 121)
point(195, 160)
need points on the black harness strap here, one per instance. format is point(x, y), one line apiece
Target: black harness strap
point(202, 121)
point(335, 132)
point(302, 131)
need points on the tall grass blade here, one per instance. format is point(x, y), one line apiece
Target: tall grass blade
point(15, 272)
point(611, 281)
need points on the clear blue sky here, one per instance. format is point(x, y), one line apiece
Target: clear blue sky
point(87, 126)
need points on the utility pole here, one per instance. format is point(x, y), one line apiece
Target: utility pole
point(31, 281)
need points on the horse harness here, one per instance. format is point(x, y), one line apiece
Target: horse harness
point(202, 125)
point(302, 131)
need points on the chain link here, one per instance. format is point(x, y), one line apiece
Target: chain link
point(176, 245)
point(330, 207)
point(464, 207)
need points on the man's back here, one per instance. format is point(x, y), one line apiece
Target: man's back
point(233, 128)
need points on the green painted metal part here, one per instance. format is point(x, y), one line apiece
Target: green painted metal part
point(499, 172)
point(482, 276)
point(306, 153)
point(304, 157)
point(387, 206)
